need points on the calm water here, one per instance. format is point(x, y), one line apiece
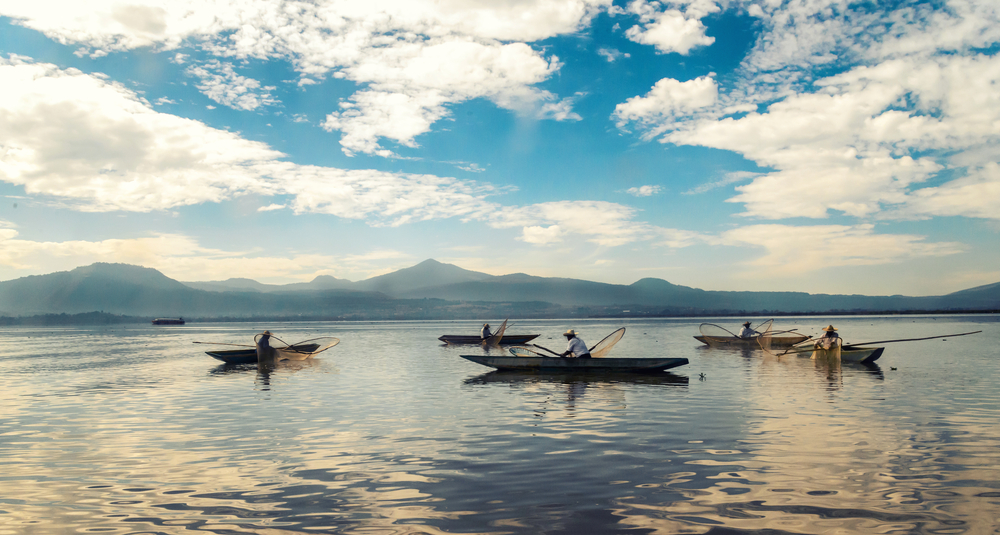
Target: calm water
point(135, 430)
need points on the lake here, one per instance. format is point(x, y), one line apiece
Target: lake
point(134, 429)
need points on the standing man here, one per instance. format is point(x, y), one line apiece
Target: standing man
point(575, 346)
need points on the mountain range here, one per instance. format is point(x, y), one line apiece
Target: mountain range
point(429, 290)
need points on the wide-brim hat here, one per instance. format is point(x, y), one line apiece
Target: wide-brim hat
point(570, 332)
point(267, 333)
point(829, 328)
point(747, 324)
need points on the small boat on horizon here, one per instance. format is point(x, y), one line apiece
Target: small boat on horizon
point(168, 321)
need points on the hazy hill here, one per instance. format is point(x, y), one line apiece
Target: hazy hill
point(428, 273)
point(430, 289)
point(321, 282)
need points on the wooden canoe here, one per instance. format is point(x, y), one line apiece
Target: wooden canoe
point(576, 365)
point(735, 341)
point(475, 340)
point(862, 355)
point(249, 355)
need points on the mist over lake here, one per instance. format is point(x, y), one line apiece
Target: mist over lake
point(134, 429)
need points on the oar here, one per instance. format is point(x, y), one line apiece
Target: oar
point(221, 344)
point(547, 349)
point(907, 339)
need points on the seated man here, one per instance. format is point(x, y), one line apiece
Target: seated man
point(575, 346)
point(747, 332)
point(485, 333)
point(830, 339)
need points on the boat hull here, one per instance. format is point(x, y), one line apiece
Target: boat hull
point(249, 356)
point(733, 341)
point(476, 340)
point(861, 355)
point(577, 365)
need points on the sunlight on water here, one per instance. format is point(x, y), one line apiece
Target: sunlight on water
point(133, 429)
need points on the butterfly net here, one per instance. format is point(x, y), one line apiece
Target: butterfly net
point(495, 338)
point(312, 346)
point(765, 336)
point(521, 351)
point(604, 346)
point(711, 330)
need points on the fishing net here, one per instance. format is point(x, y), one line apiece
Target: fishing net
point(312, 346)
point(711, 330)
point(765, 336)
point(495, 338)
point(604, 346)
point(763, 327)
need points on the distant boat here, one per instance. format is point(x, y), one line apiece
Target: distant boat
point(556, 364)
point(863, 355)
point(461, 339)
point(168, 321)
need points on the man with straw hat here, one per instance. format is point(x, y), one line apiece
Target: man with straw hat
point(485, 333)
point(747, 332)
point(829, 339)
point(575, 346)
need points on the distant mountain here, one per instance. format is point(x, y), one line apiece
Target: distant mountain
point(321, 282)
point(429, 273)
point(430, 290)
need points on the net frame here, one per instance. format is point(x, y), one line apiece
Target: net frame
point(602, 348)
point(330, 341)
point(523, 351)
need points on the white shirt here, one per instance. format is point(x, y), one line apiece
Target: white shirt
point(747, 332)
point(485, 333)
point(828, 340)
point(577, 347)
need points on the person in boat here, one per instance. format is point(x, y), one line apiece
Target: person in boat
point(485, 333)
point(830, 339)
point(575, 346)
point(264, 340)
point(747, 332)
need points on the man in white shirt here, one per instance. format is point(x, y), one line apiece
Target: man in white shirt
point(485, 333)
point(829, 339)
point(575, 346)
point(747, 332)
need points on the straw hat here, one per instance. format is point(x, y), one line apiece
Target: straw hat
point(570, 332)
point(267, 333)
point(830, 328)
point(747, 324)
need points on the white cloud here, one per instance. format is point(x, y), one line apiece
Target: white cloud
point(730, 178)
point(182, 258)
point(412, 58)
point(542, 235)
point(80, 137)
point(670, 29)
point(911, 96)
point(220, 83)
point(667, 102)
point(612, 54)
point(644, 191)
point(793, 250)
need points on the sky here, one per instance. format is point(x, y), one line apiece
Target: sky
point(811, 145)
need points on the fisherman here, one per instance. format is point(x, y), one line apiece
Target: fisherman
point(485, 333)
point(830, 339)
point(263, 342)
point(575, 346)
point(747, 332)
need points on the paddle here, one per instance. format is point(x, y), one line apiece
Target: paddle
point(221, 344)
point(851, 346)
point(547, 349)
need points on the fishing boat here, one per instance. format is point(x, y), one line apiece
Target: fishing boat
point(556, 364)
point(271, 349)
point(249, 356)
point(168, 321)
point(862, 355)
point(714, 335)
point(753, 342)
point(461, 339)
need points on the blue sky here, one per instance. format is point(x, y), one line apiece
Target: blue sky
point(818, 146)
